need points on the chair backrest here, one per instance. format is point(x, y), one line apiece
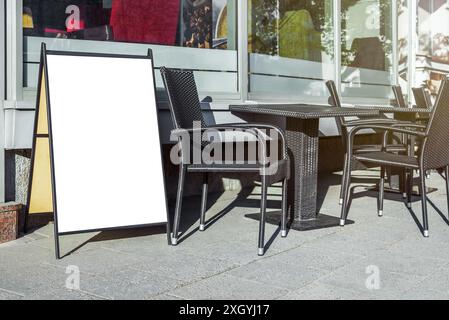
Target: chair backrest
point(428, 98)
point(335, 101)
point(435, 152)
point(185, 105)
point(421, 98)
point(399, 97)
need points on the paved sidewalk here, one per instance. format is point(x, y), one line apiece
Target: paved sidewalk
point(374, 258)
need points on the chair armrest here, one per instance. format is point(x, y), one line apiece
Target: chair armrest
point(263, 126)
point(388, 129)
point(359, 122)
point(392, 128)
point(252, 128)
point(410, 125)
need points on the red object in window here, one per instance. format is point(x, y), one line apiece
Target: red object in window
point(145, 21)
point(73, 29)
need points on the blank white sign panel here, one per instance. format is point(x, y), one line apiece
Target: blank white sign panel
point(107, 155)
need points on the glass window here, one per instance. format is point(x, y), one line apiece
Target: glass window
point(197, 24)
point(433, 50)
point(403, 43)
point(366, 48)
point(203, 32)
point(291, 48)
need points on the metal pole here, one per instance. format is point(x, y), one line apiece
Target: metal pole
point(337, 43)
point(2, 100)
point(412, 46)
point(395, 35)
point(242, 49)
point(14, 51)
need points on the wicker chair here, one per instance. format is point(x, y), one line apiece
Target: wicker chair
point(433, 154)
point(185, 109)
point(422, 98)
point(399, 96)
point(343, 126)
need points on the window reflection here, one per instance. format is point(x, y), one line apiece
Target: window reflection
point(291, 28)
point(366, 51)
point(433, 51)
point(187, 23)
point(291, 46)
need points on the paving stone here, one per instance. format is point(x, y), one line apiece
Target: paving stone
point(9, 295)
point(424, 294)
point(62, 294)
point(97, 261)
point(27, 279)
point(320, 291)
point(421, 248)
point(128, 284)
point(165, 297)
point(325, 259)
point(401, 263)
point(227, 287)
point(72, 243)
point(340, 242)
point(354, 277)
point(437, 281)
point(222, 263)
point(277, 273)
point(184, 267)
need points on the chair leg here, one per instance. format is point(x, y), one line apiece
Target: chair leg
point(404, 183)
point(381, 192)
point(284, 209)
point(263, 209)
point(204, 202)
point(343, 180)
point(409, 189)
point(181, 179)
point(424, 203)
point(447, 185)
point(346, 188)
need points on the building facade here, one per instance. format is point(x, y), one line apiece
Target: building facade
point(240, 50)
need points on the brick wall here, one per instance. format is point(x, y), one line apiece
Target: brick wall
point(9, 221)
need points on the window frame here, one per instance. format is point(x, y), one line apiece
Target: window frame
point(3, 81)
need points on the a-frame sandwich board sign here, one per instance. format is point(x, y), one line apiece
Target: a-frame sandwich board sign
point(96, 114)
point(40, 195)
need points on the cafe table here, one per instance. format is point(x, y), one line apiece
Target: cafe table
point(302, 138)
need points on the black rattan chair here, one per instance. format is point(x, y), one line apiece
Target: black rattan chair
point(433, 153)
point(343, 125)
point(399, 96)
point(422, 98)
point(185, 109)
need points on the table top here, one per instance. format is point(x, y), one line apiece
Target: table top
point(304, 111)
